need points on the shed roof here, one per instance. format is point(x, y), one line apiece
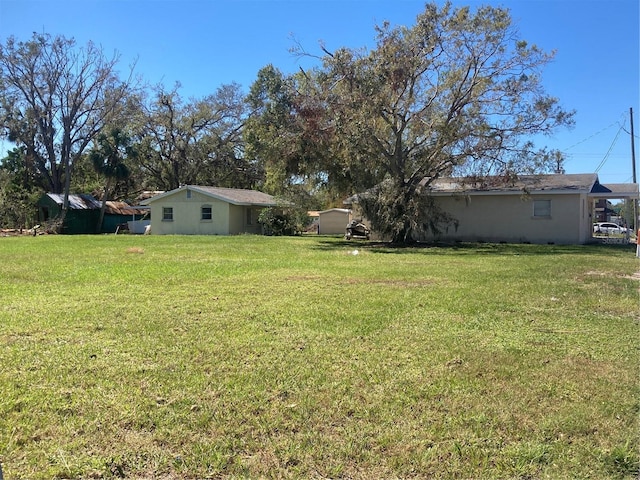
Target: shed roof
point(339, 210)
point(123, 208)
point(76, 202)
point(85, 201)
point(234, 196)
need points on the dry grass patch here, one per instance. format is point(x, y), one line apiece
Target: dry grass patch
point(385, 282)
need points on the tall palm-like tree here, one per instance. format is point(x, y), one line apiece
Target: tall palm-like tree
point(108, 158)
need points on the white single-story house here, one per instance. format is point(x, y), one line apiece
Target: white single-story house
point(333, 221)
point(202, 210)
point(526, 209)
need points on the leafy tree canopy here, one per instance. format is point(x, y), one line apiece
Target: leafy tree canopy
point(459, 92)
point(198, 141)
point(108, 158)
point(54, 99)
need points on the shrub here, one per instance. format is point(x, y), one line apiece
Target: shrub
point(277, 221)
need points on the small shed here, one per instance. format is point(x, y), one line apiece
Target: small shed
point(82, 216)
point(84, 213)
point(333, 221)
point(118, 213)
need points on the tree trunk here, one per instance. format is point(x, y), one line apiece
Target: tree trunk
point(105, 198)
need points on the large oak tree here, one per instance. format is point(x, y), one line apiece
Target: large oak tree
point(458, 92)
point(195, 141)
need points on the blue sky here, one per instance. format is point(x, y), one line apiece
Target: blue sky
point(204, 44)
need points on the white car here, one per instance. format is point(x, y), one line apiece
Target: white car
point(608, 228)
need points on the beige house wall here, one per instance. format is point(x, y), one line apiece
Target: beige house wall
point(187, 215)
point(244, 219)
point(510, 218)
point(227, 219)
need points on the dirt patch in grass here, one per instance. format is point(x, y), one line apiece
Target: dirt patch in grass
point(635, 276)
point(302, 278)
point(365, 281)
point(594, 273)
point(388, 282)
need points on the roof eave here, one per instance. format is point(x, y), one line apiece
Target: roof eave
point(160, 196)
point(446, 193)
point(209, 194)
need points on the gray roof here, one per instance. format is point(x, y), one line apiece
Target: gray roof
point(569, 183)
point(622, 189)
point(340, 210)
point(587, 183)
point(76, 202)
point(85, 201)
point(234, 196)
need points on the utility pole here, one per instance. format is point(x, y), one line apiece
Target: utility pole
point(633, 169)
point(633, 149)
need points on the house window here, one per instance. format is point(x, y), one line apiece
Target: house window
point(188, 193)
point(542, 208)
point(249, 217)
point(206, 212)
point(167, 214)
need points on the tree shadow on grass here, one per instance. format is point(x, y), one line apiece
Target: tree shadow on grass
point(471, 248)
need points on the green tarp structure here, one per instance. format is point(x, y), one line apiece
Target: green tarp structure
point(84, 213)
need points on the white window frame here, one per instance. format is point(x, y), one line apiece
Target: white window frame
point(167, 214)
point(202, 213)
point(542, 208)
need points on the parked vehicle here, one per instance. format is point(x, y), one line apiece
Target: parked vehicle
point(608, 228)
point(356, 229)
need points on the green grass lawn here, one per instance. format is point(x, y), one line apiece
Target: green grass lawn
point(261, 357)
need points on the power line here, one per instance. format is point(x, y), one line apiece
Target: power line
point(617, 122)
point(629, 133)
point(604, 160)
